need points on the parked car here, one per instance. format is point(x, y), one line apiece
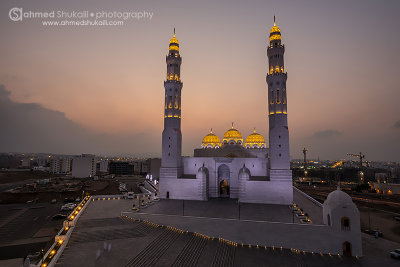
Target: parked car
point(68, 206)
point(77, 199)
point(397, 218)
point(69, 199)
point(368, 231)
point(395, 254)
point(53, 201)
point(375, 233)
point(59, 216)
point(32, 201)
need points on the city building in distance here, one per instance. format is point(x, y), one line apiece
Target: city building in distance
point(84, 166)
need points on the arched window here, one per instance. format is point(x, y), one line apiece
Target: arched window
point(272, 97)
point(278, 97)
point(284, 96)
point(329, 219)
point(176, 102)
point(345, 224)
point(170, 102)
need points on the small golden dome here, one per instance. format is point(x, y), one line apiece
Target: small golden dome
point(232, 135)
point(174, 40)
point(211, 141)
point(255, 140)
point(275, 33)
point(174, 44)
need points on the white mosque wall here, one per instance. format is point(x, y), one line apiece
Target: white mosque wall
point(188, 189)
point(271, 192)
point(264, 189)
point(256, 166)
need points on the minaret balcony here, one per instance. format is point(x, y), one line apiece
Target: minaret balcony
point(277, 74)
point(173, 81)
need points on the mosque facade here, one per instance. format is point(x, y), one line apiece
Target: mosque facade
point(245, 169)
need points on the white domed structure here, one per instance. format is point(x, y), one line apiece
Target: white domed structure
point(338, 198)
point(341, 214)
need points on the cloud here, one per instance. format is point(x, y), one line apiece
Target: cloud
point(397, 124)
point(326, 134)
point(30, 127)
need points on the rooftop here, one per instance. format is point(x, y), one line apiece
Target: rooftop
point(103, 238)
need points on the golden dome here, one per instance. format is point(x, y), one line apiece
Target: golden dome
point(174, 40)
point(174, 44)
point(232, 135)
point(255, 140)
point(211, 141)
point(275, 33)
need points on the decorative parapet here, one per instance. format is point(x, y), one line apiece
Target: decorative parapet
point(62, 237)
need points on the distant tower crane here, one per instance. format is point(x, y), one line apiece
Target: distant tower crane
point(361, 157)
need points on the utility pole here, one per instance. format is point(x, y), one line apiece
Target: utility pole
point(305, 161)
point(369, 216)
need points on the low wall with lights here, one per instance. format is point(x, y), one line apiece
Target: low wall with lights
point(62, 237)
point(318, 239)
point(309, 205)
point(125, 196)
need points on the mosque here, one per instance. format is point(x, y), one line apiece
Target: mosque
point(244, 169)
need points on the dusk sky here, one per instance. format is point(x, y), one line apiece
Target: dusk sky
point(99, 89)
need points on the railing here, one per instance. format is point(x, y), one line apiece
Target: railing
point(308, 197)
point(62, 237)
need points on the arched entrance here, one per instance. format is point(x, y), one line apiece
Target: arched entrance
point(224, 176)
point(346, 249)
point(224, 188)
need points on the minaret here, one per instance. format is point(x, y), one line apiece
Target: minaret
point(172, 137)
point(277, 102)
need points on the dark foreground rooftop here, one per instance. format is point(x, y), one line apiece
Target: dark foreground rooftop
point(123, 242)
point(103, 238)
